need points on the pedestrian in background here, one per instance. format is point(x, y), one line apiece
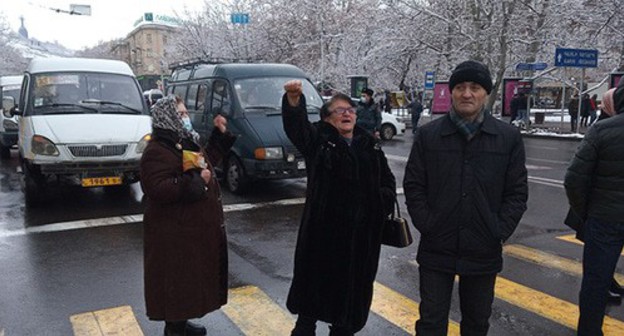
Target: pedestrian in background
point(594, 184)
point(573, 112)
point(416, 109)
point(585, 107)
point(466, 190)
point(185, 247)
point(350, 190)
point(368, 113)
point(593, 108)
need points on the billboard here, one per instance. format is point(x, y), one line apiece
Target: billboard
point(441, 98)
point(510, 86)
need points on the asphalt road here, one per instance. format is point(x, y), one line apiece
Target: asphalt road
point(79, 258)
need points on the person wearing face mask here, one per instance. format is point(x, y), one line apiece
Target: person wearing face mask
point(185, 247)
point(350, 190)
point(368, 113)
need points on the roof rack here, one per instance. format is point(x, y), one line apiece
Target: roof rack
point(191, 63)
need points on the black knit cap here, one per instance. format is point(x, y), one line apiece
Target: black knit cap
point(368, 92)
point(472, 71)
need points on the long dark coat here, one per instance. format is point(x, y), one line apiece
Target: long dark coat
point(350, 189)
point(185, 247)
point(465, 197)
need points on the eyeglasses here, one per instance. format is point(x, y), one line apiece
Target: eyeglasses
point(343, 110)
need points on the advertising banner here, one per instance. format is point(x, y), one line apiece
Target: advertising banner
point(441, 98)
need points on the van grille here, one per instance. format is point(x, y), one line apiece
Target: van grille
point(98, 151)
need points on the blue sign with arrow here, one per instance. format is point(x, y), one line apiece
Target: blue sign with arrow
point(576, 58)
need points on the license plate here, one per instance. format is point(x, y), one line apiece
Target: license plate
point(101, 181)
point(300, 165)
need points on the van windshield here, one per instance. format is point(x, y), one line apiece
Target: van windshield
point(57, 93)
point(265, 93)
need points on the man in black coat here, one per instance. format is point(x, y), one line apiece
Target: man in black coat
point(368, 113)
point(594, 185)
point(466, 190)
point(350, 191)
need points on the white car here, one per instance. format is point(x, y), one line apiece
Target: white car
point(390, 126)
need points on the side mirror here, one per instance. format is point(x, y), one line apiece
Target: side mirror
point(8, 104)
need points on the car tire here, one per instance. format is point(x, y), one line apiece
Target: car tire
point(235, 177)
point(33, 187)
point(387, 132)
point(5, 152)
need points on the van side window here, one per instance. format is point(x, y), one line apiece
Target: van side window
point(180, 91)
point(191, 97)
point(201, 97)
point(221, 98)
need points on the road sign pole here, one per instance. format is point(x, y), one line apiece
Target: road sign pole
point(578, 115)
point(563, 95)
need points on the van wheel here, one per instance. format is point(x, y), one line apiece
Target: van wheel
point(387, 132)
point(235, 177)
point(33, 187)
point(5, 152)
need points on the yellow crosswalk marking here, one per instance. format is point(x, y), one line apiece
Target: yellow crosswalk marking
point(554, 309)
point(400, 310)
point(254, 313)
point(565, 265)
point(106, 322)
point(571, 238)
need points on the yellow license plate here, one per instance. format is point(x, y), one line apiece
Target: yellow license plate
point(101, 181)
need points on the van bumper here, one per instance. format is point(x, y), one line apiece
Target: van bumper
point(272, 170)
point(73, 173)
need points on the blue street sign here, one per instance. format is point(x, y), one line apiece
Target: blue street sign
point(429, 80)
point(577, 58)
point(239, 18)
point(531, 66)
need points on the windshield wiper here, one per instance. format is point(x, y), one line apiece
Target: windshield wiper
point(261, 107)
point(66, 104)
point(108, 102)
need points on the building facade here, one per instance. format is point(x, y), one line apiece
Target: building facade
point(144, 49)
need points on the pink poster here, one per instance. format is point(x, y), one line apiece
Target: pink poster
point(441, 98)
point(510, 89)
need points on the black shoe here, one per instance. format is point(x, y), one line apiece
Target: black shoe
point(184, 329)
point(194, 329)
point(616, 288)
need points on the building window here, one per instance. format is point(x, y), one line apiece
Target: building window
point(164, 39)
point(149, 38)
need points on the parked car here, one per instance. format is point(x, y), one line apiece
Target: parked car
point(9, 95)
point(390, 126)
point(83, 122)
point(250, 97)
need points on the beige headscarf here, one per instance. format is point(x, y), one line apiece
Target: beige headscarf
point(607, 102)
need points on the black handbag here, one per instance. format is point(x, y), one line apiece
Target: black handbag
point(395, 230)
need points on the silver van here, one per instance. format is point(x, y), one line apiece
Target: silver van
point(82, 122)
point(9, 96)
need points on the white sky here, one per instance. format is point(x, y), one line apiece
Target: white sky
point(109, 18)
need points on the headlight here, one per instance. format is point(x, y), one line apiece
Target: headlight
point(143, 143)
point(9, 125)
point(43, 146)
point(268, 153)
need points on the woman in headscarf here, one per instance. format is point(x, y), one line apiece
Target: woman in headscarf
point(185, 247)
